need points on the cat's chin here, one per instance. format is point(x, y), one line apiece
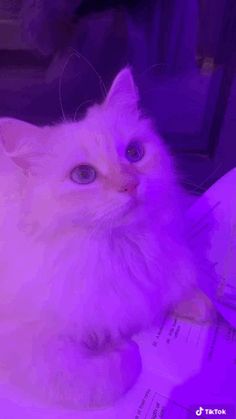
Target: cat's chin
point(128, 213)
point(131, 206)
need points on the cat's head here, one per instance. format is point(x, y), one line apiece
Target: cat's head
point(107, 169)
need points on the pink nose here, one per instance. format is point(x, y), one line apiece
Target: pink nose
point(129, 187)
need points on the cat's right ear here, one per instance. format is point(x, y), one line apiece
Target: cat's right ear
point(123, 93)
point(20, 141)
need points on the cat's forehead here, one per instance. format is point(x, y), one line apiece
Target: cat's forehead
point(107, 128)
point(99, 132)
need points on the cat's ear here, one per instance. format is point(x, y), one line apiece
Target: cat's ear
point(123, 92)
point(20, 141)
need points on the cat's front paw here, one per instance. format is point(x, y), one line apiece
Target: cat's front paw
point(196, 308)
point(76, 377)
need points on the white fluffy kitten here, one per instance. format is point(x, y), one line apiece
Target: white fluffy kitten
point(92, 249)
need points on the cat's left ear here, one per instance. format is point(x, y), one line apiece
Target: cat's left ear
point(123, 92)
point(20, 141)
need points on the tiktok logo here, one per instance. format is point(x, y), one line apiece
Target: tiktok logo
point(199, 411)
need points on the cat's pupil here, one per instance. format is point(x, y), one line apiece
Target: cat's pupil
point(83, 174)
point(134, 151)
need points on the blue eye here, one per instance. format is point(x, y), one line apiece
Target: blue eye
point(134, 151)
point(83, 174)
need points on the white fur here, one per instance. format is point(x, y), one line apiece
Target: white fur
point(86, 261)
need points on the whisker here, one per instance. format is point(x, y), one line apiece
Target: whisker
point(101, 82)
point(60, 85)
point(211, 175)
point(186, 182)
point(83, 103)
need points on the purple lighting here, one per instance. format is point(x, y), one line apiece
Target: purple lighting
point(117, 209)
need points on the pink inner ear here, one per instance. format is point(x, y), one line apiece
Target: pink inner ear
point(123, 90)
point(22, 142)
point(16, 134)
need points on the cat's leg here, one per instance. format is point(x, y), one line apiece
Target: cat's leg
point(72, 375)
point(62, 370)
point(195, 306)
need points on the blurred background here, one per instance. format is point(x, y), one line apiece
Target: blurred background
point(58, 57)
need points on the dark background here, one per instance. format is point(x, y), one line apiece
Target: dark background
point(56, 58)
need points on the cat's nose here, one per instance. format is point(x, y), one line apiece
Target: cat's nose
point(130, 186)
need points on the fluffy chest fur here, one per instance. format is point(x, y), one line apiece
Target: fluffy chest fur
point(112, 285)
